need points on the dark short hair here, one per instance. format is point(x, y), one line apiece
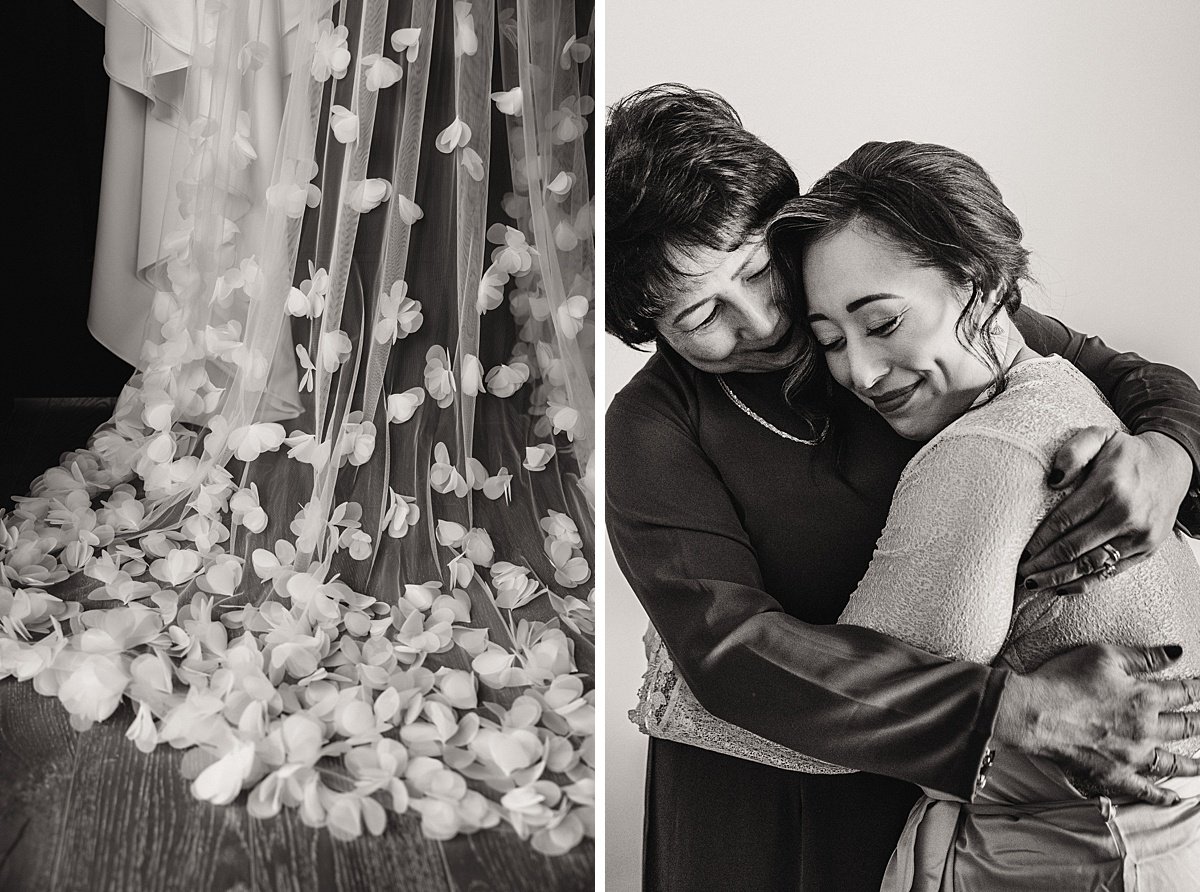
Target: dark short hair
point(680, 173)
point(936, 204)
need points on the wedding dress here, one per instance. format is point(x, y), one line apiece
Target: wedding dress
point(337, 537)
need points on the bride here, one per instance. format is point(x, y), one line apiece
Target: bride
point(906, 263)
point(345, 502)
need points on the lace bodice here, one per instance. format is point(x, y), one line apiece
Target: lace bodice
point(944, 569)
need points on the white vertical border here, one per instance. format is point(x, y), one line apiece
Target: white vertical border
point(601, 402)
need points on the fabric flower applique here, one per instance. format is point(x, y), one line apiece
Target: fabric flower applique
point(294, 191)
point(252, 440)
point(243, 149)
point(568, 122)
point(443, 476)
point(506, 379)
point(410, 212)
point(491, 289)
point(402, 406)
point(472, 163)
point(466, 42)
point(381, 72)
point(309, 369)
point(366, 195)
point(509, 102)
point(563, 418)
point(335, 348)
point(309, 299)
point(252, 56)
point(471, 373)
point(246, 509)
point(474, 542)
point(331, 58)
point(561, 185)
point(572, 315)
point(513, 585)
point(402, 513)
point(357, 441)
point(344, 124)
point(456, 135)
point(306, 448)
point(439, 377)
point(574, 52)
point(399, 314)
point(515, 254)
point(563, 546)
point(407, 41)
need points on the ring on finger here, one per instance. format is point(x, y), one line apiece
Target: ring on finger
point(1112, 557)
point(1154, 764)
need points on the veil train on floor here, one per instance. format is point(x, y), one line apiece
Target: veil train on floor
point(337, 538)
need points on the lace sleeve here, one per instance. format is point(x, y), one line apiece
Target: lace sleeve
point(943, 574)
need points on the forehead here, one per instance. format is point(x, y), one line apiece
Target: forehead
point(854, 262)
point(701, 268)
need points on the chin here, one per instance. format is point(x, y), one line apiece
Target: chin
point(911, 430)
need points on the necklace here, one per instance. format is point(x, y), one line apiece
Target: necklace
point(772, 428)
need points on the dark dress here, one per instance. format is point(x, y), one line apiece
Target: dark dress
point(742, 545)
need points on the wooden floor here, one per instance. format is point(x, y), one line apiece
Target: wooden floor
point(90, 812)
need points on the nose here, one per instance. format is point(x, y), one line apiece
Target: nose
point(866, 367)
point(760, 318)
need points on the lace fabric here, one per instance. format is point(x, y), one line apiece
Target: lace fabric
point(343, 512)
point(667, 709)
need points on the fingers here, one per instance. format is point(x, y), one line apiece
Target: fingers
point(1178, 725)
point(1075, 525)
point(1165, 763)
point(1075, 455)
point(1144, 660)
point(1091, 566)
point(1085, 583)
point(1179, 693)
point(1140, 788)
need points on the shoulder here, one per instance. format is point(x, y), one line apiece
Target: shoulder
point(1044, 402)
point(663, 392)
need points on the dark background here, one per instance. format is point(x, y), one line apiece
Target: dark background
point(57, 135)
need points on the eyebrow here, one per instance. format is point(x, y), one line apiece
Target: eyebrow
point(856, 305)
point(698, 304)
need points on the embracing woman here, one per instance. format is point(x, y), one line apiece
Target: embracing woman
point(906, 265)
point(744, 526)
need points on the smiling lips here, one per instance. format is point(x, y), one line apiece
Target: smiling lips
point(893, 400)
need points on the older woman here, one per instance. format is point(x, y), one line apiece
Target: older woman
point(743, 528)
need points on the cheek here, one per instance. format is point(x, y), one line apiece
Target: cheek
point(839, 368)
point(706, 348)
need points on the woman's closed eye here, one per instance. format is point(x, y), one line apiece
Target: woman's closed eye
point(762, 271)
point(882, 330)
point(886, 327)
point(707, 320)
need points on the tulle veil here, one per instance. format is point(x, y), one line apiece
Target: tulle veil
point(337, 537)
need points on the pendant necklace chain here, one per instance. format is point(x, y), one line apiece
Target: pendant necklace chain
point(772, 428)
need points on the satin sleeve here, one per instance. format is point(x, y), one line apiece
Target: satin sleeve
point(1147, 396)
point(843, 694)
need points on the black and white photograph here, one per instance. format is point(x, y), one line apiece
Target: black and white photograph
point(901, 445)
point(296, 546)
point(469, 445)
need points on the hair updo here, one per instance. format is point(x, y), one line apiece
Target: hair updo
point(936, 205)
